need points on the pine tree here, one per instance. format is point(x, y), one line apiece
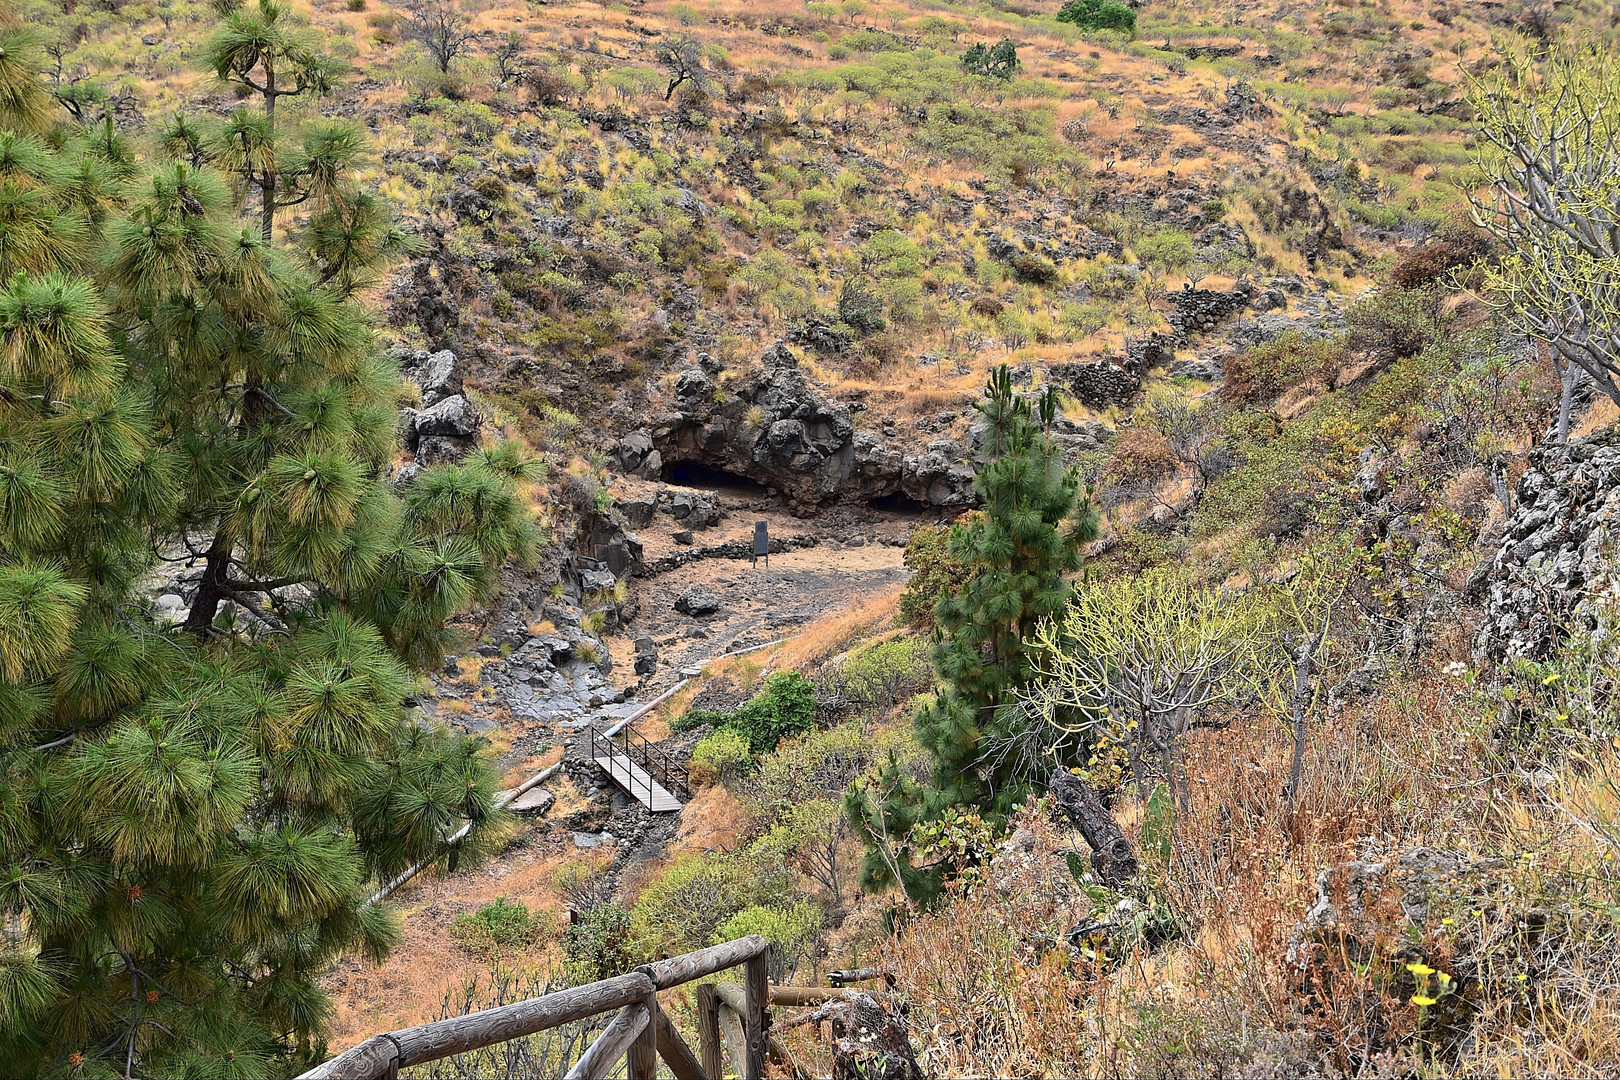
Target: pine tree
point(192, 817)
point(1029, 535)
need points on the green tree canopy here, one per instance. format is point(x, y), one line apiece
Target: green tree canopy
point(193, 817)
point(998, 61)
point(1018, 552)
point(1099, 15)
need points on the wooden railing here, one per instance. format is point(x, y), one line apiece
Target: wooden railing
point(639, 1032)
point(623, 740)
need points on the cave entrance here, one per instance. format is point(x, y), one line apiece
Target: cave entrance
point(905, 506)
point(693, 475)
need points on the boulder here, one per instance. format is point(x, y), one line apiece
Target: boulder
point(454, 416)
point(438, 377)
point(1365, 902)
point(633, 451)
point(646, 656)
point(434, 449)
point(638, 513)
point(535, 801)
point(697, 601)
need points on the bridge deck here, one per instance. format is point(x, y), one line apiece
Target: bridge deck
point(634, 780)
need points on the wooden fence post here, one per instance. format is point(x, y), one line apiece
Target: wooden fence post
point(676, 1054)
point(733, 1036)
point(641, 1062)
point(759, 1015)
point(709, 1031)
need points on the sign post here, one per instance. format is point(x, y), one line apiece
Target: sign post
point(762, 544)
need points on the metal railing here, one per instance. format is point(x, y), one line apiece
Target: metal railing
point(623, 740)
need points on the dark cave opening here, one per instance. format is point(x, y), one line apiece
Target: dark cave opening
point(693, 475)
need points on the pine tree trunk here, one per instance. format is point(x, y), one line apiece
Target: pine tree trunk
point(1111, 854)
point(268, 183)
point(211, 589)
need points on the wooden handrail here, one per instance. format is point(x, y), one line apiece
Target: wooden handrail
point(611, 1045)
point(383, 1055)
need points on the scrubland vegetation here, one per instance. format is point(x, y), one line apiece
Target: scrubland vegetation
point(1249, 619)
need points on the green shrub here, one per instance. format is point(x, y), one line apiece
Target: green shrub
point(497, 928)
point(1165, 251)
point(785, 706)
point(1265, 372)
point(791, 931)
point(683, 907)
point(860, 308)
point(998, 61)
point(885, 674)
point(1393, 323)
point(1099, 15)
point(1033, 267)
point(721, 756)
point(935, 574)
point(872, 41)
point(600, 945)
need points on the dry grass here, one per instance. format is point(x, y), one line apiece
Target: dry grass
point(833, 633)
point(990, 995)
point(407, 988)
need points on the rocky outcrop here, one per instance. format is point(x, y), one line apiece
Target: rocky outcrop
point(1378, 916)
point(437, 374)
point(771, 426)
point(446, 427)
point(1222, 243)
point(1556, 568)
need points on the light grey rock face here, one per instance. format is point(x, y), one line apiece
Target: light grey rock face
point(170, 608)
point(438, 377)
point(455, 415)
point(437, 374)
point(446, 431)
point(1557, 565)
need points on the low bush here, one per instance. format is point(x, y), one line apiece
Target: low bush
point(785, 706)
point(791, 932)
point(935, 572)
point(1265, 372)
point(498, 928)
point(685, 906)
point(721, 756)
point(1394, 323)
point(600, 945)
point(883, 675)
